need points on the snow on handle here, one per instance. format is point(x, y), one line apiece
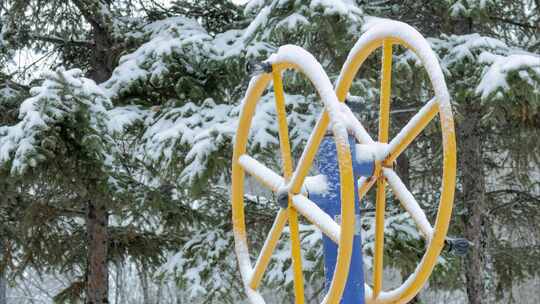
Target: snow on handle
point(371, 152)
point(355, 126)
point(246, 270)
point(409, 203)
point(312, 184)
point(398, 139)
point(318, 217)
point(383, 28)
point(317, 184)
point(313, 70)
point(265, 175)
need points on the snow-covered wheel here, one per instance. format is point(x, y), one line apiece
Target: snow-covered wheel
point(290, 184)
point(384, 34)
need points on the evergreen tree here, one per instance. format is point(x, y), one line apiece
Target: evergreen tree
point(69, 29)
point(141, 153)
point(62, 131)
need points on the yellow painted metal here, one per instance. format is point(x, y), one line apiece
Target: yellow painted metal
point(283, 128)
point(413, 133)
point(364, 189)
point(237, 188)
point(347, 209)
point(417, 280)
point(378, 265)
point(347, 197)
point(347, 76)
point(444, 213)
point(268, 248)
point(347, 205)
point(286, 157)
point(309, 153)
point(296, 256)
point(337, 285)
point(384, 123)
point(386, 84)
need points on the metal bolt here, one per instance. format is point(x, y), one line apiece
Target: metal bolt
point(257, 68)
point(283, 199)
point(457, 246)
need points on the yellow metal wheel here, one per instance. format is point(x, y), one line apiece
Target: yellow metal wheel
point(385, 35)
point(291, 182)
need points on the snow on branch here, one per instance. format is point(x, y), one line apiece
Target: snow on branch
point(62, 98)
point(499, 68)
point(495, 67)
point(167, 38)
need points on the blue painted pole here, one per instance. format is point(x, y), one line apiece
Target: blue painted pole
point(330, 202)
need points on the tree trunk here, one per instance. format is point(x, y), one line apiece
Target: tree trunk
point(97, 280)
point(3, 287)
point(102, 60)
point(473, 195)
point(95, 12)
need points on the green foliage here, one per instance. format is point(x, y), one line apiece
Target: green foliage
point(154, 141)
point(65, 108)
point(216, 16)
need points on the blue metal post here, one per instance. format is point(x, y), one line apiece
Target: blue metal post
point(330, 202)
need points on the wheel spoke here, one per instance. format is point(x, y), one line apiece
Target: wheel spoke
point(412, 129)
point(378, 265)
point(296, 257)
point(263, 174)
point(284, 142)
point(364, 185)
point(409, 203)
point(360, 133)
point(384, 125)
point(317, 217)
point(268, 248)
point(287, 168)
point(386, 84)
point(309, 153)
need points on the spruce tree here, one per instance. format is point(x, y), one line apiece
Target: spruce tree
point(63, 129)
point(90, 35)
point(141, 153)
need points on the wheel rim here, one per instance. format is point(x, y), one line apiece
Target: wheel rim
point(386, 35)
point(292, 57)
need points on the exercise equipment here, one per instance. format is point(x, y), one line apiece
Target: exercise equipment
point(380, 155)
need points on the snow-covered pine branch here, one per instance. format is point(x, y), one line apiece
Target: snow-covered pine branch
point(64, 101)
